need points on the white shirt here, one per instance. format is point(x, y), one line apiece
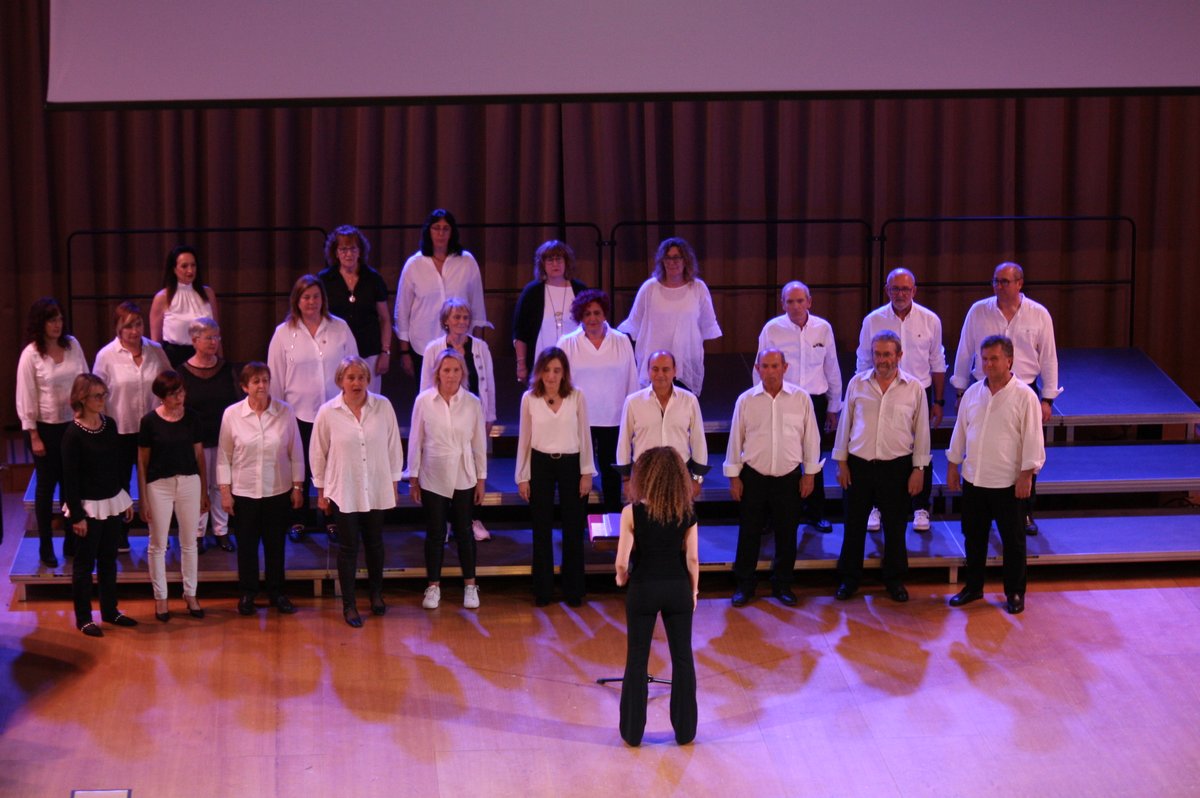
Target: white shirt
point(920, 340)
point(811, 355)
point(482, 355)
point(422, 291)
point(447, 450)
point(646, 424)
point(558, 301)
point(186, 306)
point(996, 437)
point(884, 426)
point(44, 387)
point(678, 320)
point(259, 455)
point(773, 434)
point(564, 432)
point(1032, 334)
point(302, 365)
point(129, 385)
point(357, 463)
point(606, 375)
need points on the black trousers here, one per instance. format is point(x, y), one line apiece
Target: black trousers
point(604, 444)
point(458, 509)
point(763, 497)
point(98, 550)
point(980, 506)
point(546, 473)
point(882, 484)
point(369, 525)
point(262, 521)
point(303, 516)
point(643, 603)
point(814, 505)
point(49, 470)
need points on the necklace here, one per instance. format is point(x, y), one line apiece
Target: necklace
point(99, 428)
point(557, 309)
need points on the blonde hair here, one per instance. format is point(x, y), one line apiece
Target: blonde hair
point(661, 483)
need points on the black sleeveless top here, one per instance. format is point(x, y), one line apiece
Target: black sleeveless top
point(658, 551)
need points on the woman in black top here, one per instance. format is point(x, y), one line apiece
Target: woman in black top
point(171, 480)
point(659, 535)
point(211, 385)
point(96, 503)
point(542, 315)
point(358, 294)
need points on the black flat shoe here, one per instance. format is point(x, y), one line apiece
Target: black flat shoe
point(965, 596)
point(46, 555)
point(740, 598)
point(541, 602)
point(786, 597)
point(575, 602)
point(121, 619)
point(226, 543)
point(898, 592)
point(1015, 604)
point(295, 533)
point(845, 592)
point(352, 617)
point(822, 525)
point(1031, 527)
point(92, 630)
point(284, 605)
point(377, 605)
point(246, 605)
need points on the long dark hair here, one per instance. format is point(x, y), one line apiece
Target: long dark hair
point(543, 359)
point(41, 311)
point(455, 246)
point(171, 282)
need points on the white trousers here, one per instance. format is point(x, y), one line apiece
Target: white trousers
point(220, 518)
point(179, 495)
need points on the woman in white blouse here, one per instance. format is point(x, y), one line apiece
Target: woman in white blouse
point(357, 459)
point(441, 269)
point(260, 474)
point(554, 449)
point(304, 355)
point(46, 371)
point(673, 310)
point(447, 468)
point(603, 367)
point(183, 299)
point(128, 364)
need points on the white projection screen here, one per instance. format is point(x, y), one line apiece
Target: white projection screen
point(214, 51)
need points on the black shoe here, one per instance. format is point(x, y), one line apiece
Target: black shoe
point(163, 616)
point(786, 597)
point(195, 612)
point(284, 605)
point(295, 533)
point(965, 596)
point(91, 630)
point(226, 543)
point(46, 555)
point(845, 592)
point(575, 602)
point(898, 592)
point(123, 545)
point(246, 605)
point(121, 619)
point(539, 601)
point(1015, 604)
point(331, 532)
point(377, 605)
point(740, 598)
point(822, 525)
point(350, 613)
point(1031, 527)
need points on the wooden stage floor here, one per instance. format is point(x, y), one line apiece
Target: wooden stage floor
point(1092, 691)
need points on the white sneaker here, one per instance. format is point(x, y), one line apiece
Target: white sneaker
point(433, 597)
point(480, 531)
point(471, 597)
point(921, 521)
point(873, 520)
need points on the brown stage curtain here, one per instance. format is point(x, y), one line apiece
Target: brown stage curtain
point(603, 163)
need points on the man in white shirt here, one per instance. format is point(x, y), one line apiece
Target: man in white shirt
point(809, 348)
point(997, 446)
point(774, 452)
point(920, 332)
point(1028, 325)
point(662, 414)
point(882, 452)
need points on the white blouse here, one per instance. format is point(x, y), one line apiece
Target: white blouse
point(259, 455)
point(556, 316)
point(129, 385)
point(606, 375)
point(678, 320)
point(186, 306)
point(447, 450)
point(357, 462)
point(302, 365)
point(482, 356)
point(44, 387)
point(422, 291)
point(564, 432)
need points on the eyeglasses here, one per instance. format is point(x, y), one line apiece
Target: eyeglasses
point(346, 250)
point(210, 338)
point(896, 289)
